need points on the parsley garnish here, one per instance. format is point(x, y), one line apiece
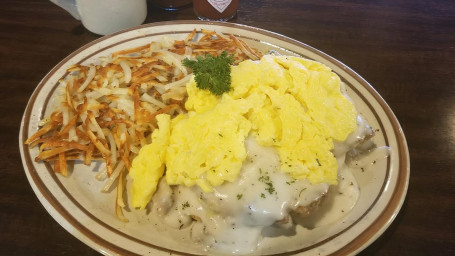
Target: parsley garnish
point(185, 205)
point(270, 187)
point(290, 182)
point(212, 73)
point(266, 180)
point(239, 196)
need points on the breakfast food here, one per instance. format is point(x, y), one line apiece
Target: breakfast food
point(250, 158)
point(224, 163)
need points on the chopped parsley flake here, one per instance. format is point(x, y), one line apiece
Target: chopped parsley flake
point(270, 187)
point(290, 182)
point(185, 205)
point(266, 180)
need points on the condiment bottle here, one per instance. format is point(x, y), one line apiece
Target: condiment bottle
point(171, 5)
point(220, 10)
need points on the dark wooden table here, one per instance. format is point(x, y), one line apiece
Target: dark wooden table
point(404, 48)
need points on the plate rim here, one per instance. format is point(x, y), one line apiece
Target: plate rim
point(379, 225)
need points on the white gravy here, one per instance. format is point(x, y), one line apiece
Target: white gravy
point(263, 201)
point(232, 218)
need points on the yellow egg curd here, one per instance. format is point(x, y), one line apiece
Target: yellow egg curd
point(292, 104)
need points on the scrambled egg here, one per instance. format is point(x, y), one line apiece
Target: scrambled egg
point(148, 166)
point(292, 104)
point(208, 148)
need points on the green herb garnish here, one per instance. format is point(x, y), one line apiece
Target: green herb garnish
point(185, 205)
point(212, 73)
point(266, 180)
point(270, 187)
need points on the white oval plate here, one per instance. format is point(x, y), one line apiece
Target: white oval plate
point(76, 203)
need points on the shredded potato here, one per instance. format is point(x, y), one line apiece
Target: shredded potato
point(107, 111)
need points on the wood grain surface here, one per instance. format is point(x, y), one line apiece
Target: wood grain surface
point(404, 48)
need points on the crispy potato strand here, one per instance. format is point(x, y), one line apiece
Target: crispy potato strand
point(108, 111)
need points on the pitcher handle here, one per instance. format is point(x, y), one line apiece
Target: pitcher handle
point(70, 6)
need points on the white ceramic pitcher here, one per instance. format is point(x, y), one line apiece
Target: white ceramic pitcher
point(106, 16)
